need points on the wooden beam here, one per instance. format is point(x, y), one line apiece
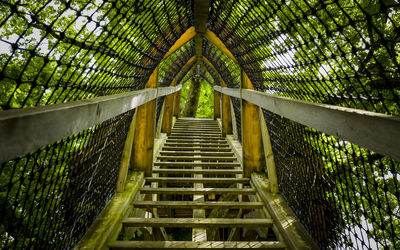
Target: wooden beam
point(212, 37)
point(107, 224)
point(253, 151)
point(185, 37)
point(289, 226)
point(167, 116)
point(126, 156)
point(177, 102)
point(269, 155)
point(217, 105)
point(226, 115)
point(377, 132)
point(142, 158)
point(192, 245)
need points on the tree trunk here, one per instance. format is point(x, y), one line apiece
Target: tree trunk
point(192, 100)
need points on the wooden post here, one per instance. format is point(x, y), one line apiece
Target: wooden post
point(167, 117)
point(253, 150)
point(226, 115)
point(177, 102)
point(269, 156)
point(126, 156)
point(142, 154)
point(217, 105)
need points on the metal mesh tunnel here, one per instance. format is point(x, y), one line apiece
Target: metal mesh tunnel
point(74, 76)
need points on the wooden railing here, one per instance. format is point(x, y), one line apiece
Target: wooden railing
point(25, 130)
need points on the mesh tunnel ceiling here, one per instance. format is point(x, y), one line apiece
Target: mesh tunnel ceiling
point(336, 52)
point(339, 52)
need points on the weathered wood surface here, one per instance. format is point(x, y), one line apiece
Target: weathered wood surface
point(197, 204)
point(200, 180)
point(191, 245)
point(196, 222)
point(197, 190)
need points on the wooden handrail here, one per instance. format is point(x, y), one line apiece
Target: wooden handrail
point(377, 132)
point(25, 130)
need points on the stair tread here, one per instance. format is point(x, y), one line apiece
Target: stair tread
point(198, 171)
point(196, 153)
point(218, 164)
point(197, 204)
point(198, 190)
point(198, 180)
point(194, 245)
point(196, 222)
point(203, 158)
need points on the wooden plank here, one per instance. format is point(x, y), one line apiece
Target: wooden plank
point(188, 132)
point(203, 158)
point(196, 141)
point(175, 144)
point(196, 148)
point(206, 137)
point(177, 100)
point(163, 91)
point(217, 105)
point(199, 180)
point(226, 115)
point(191, 245)
point(201, 164)
point(197, 171)
point(252, 144)
point(196, 222)
point(185, 37)
point(291, 229)
point(269, 155)
point(377, 132)
point(203, 191)
point(142, 153)
point(198, 204)
point(107, 224)
point(167, 115)
point(186, 153)
point(126, 156)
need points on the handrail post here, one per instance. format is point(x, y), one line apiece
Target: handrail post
point(142, 155)
point(177, 101)
point(253, 150)
point(226, 115)
point(217, 105)
point(167, 117)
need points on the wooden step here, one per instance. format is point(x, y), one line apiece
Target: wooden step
point(198, 245)
point(198, 164)
point(217, 141)
point(197, 171)
point(165, 148)
point(195, 144)
point(202, 158)
point(196, 129)
point(186, 153)
point(205, 137)
point(196, 222)
point(198, 204)
point(186, 132)
point(200, 191)
point(196, 180)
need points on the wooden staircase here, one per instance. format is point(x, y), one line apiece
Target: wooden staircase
point(197, 186)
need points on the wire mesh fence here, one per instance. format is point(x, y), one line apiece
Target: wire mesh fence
point(334, 52)
point(50, 197)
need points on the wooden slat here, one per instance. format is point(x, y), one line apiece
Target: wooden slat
point(197, 190)
point(191, 245)
point(199, 164)
point(196, 144)
point(198, 205)
point(196, 141)
point(196, 222)
point(183, 153)
point(196, 148)
point(199, 180)
point(197, 171)
point(203, 158)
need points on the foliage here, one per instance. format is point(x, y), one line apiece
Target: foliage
point(206, 101)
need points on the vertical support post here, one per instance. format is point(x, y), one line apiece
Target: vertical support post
point(167, 117)
point(142, 154)
point(177, 102)
point(126, 156)
point(253, 150)
point(226, 115)
point(217, 105)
